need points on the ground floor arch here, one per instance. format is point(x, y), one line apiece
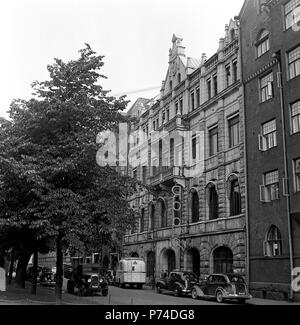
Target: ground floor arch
point(150, 264)
point(222, 260)
point(167, 260)
point(192, 261)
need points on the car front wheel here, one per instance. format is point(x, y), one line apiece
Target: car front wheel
point(219, 297)
point(177, 292)
point(194, 294)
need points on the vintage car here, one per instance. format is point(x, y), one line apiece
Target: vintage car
point(180, 283)
point(222, 287)
point(86, 278)
point(47, 277)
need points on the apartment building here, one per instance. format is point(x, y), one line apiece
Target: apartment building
point(187, 147)
point(270, 47)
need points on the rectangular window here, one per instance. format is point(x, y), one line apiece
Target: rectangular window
point(215, 79)
point(176, 108)
point(266, 87)
point(227, 74)
point(172, 153)
point(154, 126)
point(209, 89)
point(134, 173)
point(294, 62)
point(163, 117)
point(235, 71)
point(197, 97)
point(295, 115)
point(144, 168)
point(194, 148)
point(291, 17)
point(181, 106)
point(297, 174)
point(168, 114)
point(268, 139)
point(263, 47)
point(213, 141)
point(234, 131)
point(193, 101)
point(270, 190)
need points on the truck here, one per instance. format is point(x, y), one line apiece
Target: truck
point(132, 272)
point(86, 278)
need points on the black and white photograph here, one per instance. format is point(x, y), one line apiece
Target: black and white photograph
point(150, 155)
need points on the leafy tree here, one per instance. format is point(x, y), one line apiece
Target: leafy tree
point(51, 184)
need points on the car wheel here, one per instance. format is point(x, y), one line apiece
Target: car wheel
point(81, 291)
point(194, 294)
point(70, 287)
point(177, 292)
point(158, 288)
point(242, 301)
point(219, 297)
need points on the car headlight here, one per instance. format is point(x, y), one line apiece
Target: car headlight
point(101, 280)
point(89, 280)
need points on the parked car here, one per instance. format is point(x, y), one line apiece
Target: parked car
point(180, 283)
point(47, 277)
point(86, 278)
point(222, 287)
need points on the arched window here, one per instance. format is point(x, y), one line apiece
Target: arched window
point(195, 207)
point(263, 43)
point(235, 198)
point(213, 203)
point(151, 216)
point(164, 217)
point(171, 85)
point(142, 223)
point(179, 78)
point(273, 243)
point(232, 34)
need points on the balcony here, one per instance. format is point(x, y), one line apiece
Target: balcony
point(166, 175)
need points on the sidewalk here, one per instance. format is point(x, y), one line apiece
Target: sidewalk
point(45, 296)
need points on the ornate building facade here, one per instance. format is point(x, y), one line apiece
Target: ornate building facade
point(187, 146)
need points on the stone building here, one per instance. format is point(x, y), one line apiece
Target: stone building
point(270, 47)
point(187, 146)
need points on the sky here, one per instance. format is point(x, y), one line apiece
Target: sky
point(133, 35)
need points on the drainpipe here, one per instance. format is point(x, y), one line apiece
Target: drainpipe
point(277, 56)
point(247, 232)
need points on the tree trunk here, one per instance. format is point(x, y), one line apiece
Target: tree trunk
point(34, 272)
point(11, 266)
point(59, 270)
point(22, 267)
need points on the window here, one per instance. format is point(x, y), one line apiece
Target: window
point(134, 173)
point(234, 131)
point(144, 171)
point(266, 87)
point(295, 114)
point(193, 101)
point(213, 203)
point(179, 78)
point(227, 74)
point(171, 85)
point(235, 71)
point(194, 148)
point(197, 97)
point(215, 79)
point(163, 117)
point(154, 126)
point(297, 174)
point(181, 106)
point(168, 114)
point(294, 62)
point(273, 243)
point(164, 217)
point(172, 152)
point(142, 223)
point(176, 108)
point(195, 207)
point(268, 139)
point(213, 141)
point(263, 43)
point(291, 18)
point(235, 199)
point(270, 190)
point(151, 216)
point(209, 89)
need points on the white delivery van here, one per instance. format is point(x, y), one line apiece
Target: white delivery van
point(131, 271)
